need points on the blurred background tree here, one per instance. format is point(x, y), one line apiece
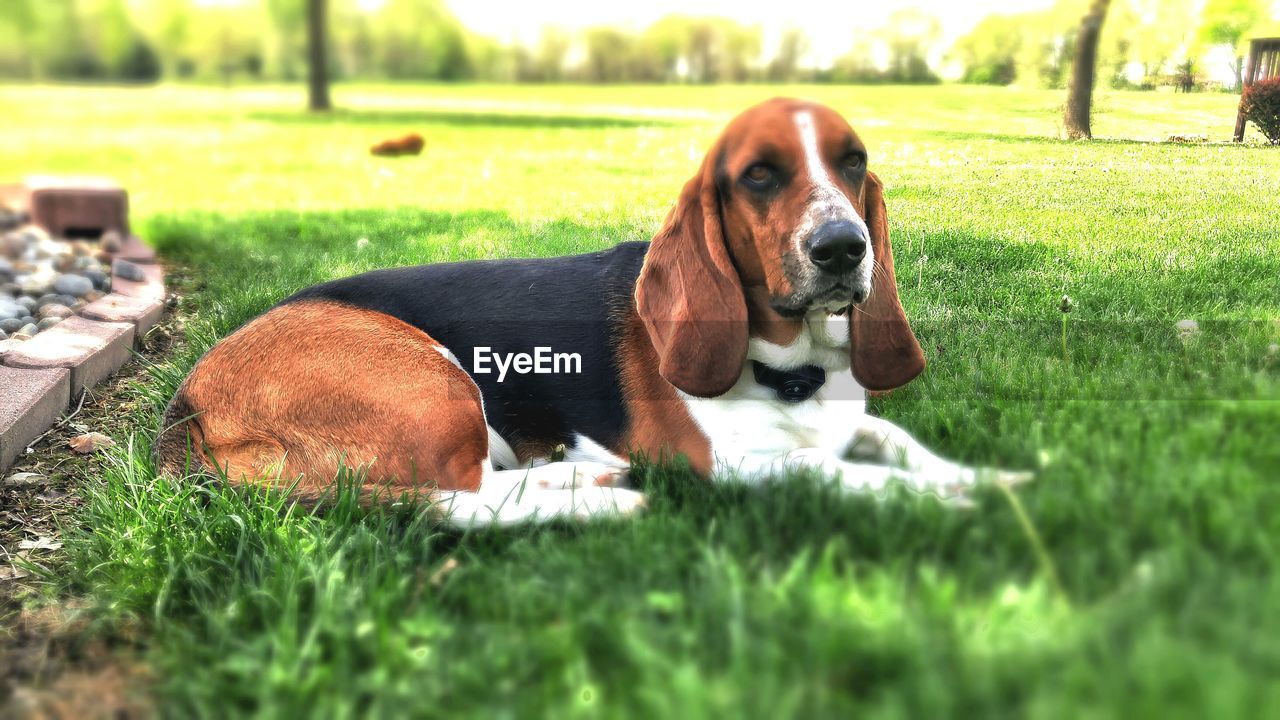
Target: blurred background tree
point(1084, 70)
point(1228, 23)
point(1149, 44)
point(317, 56)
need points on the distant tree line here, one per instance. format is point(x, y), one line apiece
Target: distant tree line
point(1147, 43)
point(144, 40)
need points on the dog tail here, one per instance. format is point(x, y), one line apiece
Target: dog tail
point(179, 447)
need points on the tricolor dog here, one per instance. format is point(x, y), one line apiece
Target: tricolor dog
point(742, 337)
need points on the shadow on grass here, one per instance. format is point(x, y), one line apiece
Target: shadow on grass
point(461, 118)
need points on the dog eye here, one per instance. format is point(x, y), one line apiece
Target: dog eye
point(854, 161)
point(758, 175)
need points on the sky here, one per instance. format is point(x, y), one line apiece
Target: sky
point(830, 25)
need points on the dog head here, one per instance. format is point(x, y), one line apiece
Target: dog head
point(784, 211)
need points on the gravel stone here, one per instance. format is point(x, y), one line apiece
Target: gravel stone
point(44, 280)
point(54, 310)
point(76, 285)
point(100, 280)
point(129, 271)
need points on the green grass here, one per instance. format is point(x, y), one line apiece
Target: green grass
point(1156, 493)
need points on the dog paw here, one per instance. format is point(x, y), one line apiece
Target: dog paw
point(592, 474)
point(596, 502)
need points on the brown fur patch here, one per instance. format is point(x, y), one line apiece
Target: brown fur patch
point(659, 424)
point(312, 385)
point(765, 322)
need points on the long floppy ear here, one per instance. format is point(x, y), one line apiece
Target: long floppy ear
point(689, 295)
point(883, 352)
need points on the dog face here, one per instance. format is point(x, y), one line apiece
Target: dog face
point(782, 207)
point(789, 175)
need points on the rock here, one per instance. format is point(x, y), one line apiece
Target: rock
point(29, 303)
point(76, 285)
point(67, 300)
point(11, 325)
point(3, 336)
point(111, 241)
point(47, 323)
point(81, 248)
point(129, 271)
point(26, 332)
point(54, 310)
point(7, 272)
point(11, 309)
point(37, 283)
point(13, 246)
point(100, 280)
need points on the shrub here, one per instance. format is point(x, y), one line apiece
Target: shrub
point(1261, 104)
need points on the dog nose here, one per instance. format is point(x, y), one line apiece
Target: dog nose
point(837, 247)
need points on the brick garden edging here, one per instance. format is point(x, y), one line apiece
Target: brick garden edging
point(41, 377)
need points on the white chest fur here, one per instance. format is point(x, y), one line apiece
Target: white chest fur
point(749, 427)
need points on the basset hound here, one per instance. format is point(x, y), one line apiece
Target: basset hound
point(744, 337)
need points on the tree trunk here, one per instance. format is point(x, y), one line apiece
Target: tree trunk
point(317, 57)
point(1083, 70)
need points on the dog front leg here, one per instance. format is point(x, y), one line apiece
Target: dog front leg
point(852, 476)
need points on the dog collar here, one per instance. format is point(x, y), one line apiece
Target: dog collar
point(792, 386)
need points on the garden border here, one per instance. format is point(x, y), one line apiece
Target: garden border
point(42, 377)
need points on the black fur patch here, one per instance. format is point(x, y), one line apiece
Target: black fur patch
point(568, 304)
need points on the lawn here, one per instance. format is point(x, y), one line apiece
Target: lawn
point(1137, 576)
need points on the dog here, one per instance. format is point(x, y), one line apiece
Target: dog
point(743, 337)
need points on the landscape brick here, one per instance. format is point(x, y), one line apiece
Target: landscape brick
point(91, 349)
point(152, 287)
point(143, 312)
point(30, 402)
point(59, 204)
point(135, 251)
point(7, 345)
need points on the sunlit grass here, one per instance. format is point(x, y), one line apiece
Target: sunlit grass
point(1154, 500)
